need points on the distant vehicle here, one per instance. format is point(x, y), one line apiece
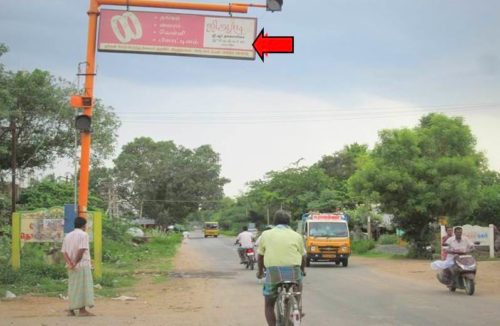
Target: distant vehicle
point(211, 229)
point(326, 237)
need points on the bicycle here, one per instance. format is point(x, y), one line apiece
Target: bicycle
point(287, 306)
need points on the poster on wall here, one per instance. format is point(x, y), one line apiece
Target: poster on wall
point(47, 225)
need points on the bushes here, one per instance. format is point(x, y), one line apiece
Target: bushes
point(35, 275)
point(31, 273)
point(121, 259)
point(362, 246)
point(388, 239)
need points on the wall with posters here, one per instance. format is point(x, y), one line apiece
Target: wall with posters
point(46, 225)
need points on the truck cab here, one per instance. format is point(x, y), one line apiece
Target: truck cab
point(326, 237)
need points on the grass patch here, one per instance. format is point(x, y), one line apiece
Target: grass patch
point(362, 246)
point(122, 261)
point(154, 256)
point(388, 239)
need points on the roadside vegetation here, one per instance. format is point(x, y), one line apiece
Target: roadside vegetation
point(124, 260)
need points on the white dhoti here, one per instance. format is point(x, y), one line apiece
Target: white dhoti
point(443, 264)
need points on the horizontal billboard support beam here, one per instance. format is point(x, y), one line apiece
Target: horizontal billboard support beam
point(231, 8)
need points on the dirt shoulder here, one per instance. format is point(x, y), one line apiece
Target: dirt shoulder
point(487, 279)
point(176, 301)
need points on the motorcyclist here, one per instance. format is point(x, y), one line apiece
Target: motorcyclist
point(456, 245)
point(245, 240)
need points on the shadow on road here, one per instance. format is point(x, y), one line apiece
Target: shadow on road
point(325, 265)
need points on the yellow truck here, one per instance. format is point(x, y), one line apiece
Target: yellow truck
point(211, 229)
point(326, 237)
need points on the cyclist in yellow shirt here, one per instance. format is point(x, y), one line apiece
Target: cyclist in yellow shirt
point(282, 254)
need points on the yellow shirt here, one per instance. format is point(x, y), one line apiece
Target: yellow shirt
point(281, 246)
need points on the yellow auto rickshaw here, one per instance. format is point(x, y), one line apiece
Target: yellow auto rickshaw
point(211, 229)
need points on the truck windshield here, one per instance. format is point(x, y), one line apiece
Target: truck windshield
point(328, 229)
point(211, 226)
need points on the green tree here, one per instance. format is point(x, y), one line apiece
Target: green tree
point(488, 208)
point(50, 192)
point(292, 189)
point(340, 167)
point(169, 181)
point(342, 164)
point(34, 106)
point(38, 104)
point(422, 173)
point(103, 184)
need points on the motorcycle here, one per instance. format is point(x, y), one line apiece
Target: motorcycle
point(249, 258)
point(461, 275)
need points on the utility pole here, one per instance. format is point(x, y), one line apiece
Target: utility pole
point(13, 161)
point(369, 227)
point(110, 203)
point(267, 215)
point(86, 101)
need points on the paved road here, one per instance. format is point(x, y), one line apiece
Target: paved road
point(334, 295)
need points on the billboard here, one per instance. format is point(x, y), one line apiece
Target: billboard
point(47, 225)
point(177, 34)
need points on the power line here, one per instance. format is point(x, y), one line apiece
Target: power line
point(316, 110)
point(296, 117)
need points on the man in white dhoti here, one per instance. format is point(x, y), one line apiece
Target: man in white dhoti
point(456, 245)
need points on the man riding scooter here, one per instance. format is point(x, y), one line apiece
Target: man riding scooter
point(245, 240)
point(454, 246)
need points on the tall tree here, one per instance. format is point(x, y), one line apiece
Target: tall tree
point(51, 191)
point(422, 173)
point(37, 123)
point(292, 189)
point(488, 208)
point(37, 103)
point(342, 164)
point(169, 182)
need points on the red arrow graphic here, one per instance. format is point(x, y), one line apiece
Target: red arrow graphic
point(264, 44)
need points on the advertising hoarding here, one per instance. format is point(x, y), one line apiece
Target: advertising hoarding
point(47, 225)
point(177, 34)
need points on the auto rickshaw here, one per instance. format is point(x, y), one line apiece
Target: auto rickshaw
point(211, 229)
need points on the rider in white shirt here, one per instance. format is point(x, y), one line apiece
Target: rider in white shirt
point(456, 245)
point(245, 240)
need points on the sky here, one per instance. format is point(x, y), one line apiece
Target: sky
point(358, 67)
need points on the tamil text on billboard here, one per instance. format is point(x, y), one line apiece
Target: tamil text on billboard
point(177, 34)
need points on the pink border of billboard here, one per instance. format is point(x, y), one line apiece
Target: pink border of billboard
point(177, 34)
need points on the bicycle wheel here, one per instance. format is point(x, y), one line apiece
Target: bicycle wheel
point(279, 308)
point(288, 312)
point(294, 315)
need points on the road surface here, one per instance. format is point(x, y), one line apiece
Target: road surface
point(355, 295)
point(207, 286)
